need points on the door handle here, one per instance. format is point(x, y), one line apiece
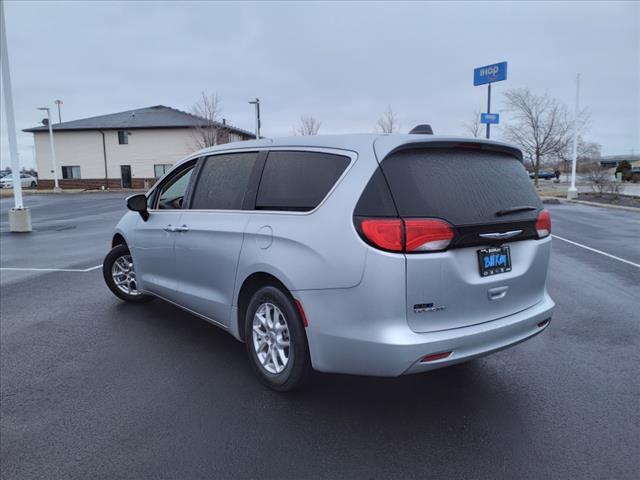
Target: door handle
point(174, 229)
point(497, 293)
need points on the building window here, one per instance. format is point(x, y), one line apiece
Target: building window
point(123, 137)
point(71, 172)
point(160, 169)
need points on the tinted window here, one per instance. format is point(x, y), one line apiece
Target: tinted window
point(465, 187)
point(223, 181)
point(376, 200)
point(71, 171)
point(172, 193)
point(298, 180)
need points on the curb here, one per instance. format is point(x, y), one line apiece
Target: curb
point(592, 204)
point(6, 193)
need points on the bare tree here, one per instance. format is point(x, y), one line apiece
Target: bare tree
point(207, 129)
point(474, 128)
point(540, 126)
point(588, 155)
point(602, 181)
point(308, 126)
point(388, 122)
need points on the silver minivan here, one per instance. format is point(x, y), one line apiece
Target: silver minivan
point(367, 254)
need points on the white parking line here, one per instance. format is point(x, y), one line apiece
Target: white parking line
point(597, 251)
point(83, 270)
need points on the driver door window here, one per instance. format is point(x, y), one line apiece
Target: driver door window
point(172, 193)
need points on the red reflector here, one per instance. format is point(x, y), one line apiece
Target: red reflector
point(305, 322)
point(427, 235)
point(435, 356)
point(543, 224)
point(385, 233)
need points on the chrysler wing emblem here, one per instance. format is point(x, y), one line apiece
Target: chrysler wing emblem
point(501, 235)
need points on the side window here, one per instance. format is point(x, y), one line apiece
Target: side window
point(223, 181)
point(172, 193)
point(298, 181)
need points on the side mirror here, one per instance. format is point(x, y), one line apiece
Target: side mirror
point(138, 203)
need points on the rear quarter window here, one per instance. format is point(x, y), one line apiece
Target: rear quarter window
point(464, 187)
point(298, 181)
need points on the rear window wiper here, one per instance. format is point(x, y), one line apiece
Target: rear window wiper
point(523, 208)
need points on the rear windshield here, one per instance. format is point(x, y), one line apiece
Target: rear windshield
point(465, 187)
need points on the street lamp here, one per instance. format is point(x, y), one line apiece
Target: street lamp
point(58, 103)
point(56, 187)
point(256, 102)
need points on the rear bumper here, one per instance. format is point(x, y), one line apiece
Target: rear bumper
point(390, 348)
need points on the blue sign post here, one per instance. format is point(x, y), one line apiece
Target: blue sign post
point(487, 75)
point(490, 118)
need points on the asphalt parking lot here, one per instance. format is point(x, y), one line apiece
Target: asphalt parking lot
point(91, 387)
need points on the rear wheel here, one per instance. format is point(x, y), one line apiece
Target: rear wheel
point(120, 275)
point(33, 184)
point(276, 341)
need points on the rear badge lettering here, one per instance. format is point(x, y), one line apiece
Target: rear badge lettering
point(427, 307)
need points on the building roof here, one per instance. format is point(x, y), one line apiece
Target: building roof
point(157, 116)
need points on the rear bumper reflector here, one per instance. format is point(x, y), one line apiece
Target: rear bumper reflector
point(305, 322)
point(544, 323)
point(435, 356)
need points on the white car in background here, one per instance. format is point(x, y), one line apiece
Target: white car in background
point(25, 180)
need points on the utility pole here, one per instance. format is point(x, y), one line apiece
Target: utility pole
point(256, 102)
point(19, 217)
point(56, 187)
point(573, 191)
point(58, 103)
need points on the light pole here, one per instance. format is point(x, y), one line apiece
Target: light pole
point(56, 187)
point(573, 191)
point(19, 216)
point(58, 103)
point(256, 102)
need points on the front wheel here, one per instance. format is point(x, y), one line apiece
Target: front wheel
point(120, 275)
point(276, 341)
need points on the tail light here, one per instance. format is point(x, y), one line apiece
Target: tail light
point(411, 235)
point(543, 224)
point(385, 233)
point(427, 235)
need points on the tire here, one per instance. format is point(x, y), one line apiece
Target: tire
point(270, 336)
point(33, 184)
point(128, 290)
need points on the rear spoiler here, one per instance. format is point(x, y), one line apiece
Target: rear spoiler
point(385, 145)
point(462, 145)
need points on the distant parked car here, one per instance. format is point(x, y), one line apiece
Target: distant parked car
point(635, 174)
point(25, 180)
point(546, 174)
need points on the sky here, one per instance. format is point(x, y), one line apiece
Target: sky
point(342, 63)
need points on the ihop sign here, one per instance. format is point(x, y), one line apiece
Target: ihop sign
point(490, 73)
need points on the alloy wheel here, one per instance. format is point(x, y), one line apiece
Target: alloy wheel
point(124, 275)
point(271, 340)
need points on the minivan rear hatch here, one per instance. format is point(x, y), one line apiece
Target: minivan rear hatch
point(496, 263)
